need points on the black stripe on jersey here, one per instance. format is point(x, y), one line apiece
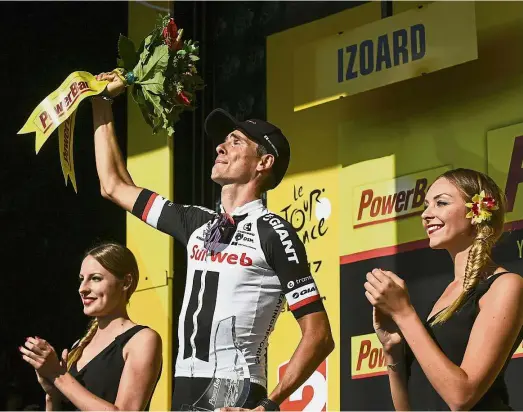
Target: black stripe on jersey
point(286, 255)
point(202, 340)
point(188, 326)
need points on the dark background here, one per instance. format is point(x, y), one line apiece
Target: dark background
point(45, 226)
point(427, 273)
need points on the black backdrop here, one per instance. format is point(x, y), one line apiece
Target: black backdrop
point(45, 226)
point(427, 273)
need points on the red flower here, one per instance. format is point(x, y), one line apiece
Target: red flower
point(489, 202)
point(170, 33)
point(185, 100)
point(475, 209)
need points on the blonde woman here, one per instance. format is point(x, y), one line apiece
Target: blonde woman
point(117, 364)
point(456, 358)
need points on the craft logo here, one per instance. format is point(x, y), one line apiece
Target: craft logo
point(393, 199)
point(367, 357)
point(261, 352)
point(312, 395)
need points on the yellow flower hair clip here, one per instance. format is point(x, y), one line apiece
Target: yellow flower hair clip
point(481, 208)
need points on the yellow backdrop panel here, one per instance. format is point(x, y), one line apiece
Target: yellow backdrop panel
point(306, 200)
point(386, 139)
point(150, 163)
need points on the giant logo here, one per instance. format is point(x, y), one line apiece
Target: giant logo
point(280, 229)
point(302, 296)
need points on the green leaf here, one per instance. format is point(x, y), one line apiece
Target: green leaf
point(162, 20)
point(142, 104)
point(155, 84)
point(194, 58)
point(141, 48)
point(155, 100)
point(144, 53)
point(138, 71)
point(157, 62)
point(181, 52)
point(127, 52)
point(146, 46)
point(158, 125)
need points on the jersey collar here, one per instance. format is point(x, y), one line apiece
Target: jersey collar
point(246, 208)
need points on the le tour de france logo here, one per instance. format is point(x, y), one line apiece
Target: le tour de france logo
point(308, 213)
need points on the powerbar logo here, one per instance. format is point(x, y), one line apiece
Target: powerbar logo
point(367, 358)
point(392, 199)
point(49, 117)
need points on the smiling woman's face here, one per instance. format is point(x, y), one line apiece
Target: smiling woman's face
point(444, 218)
point(100, 290)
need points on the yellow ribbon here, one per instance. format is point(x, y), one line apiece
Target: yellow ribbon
point(58, 109)
point(65, 146)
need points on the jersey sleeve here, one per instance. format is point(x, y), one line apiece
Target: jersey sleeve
point(286, 255)
point(177, 220)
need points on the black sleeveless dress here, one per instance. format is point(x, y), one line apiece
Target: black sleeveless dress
point(452, 338)
point(101, 376)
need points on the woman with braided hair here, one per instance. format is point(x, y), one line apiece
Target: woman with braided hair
point(116, 364)
point(456, 358)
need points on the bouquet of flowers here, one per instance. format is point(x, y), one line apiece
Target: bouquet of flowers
point(163, 80)
point(162, 73)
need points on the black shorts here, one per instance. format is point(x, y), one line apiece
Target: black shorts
point(188, 390)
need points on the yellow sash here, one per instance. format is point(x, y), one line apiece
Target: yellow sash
point(58, 109)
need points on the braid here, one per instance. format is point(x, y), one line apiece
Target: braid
point(77, 351)
point(478, 262)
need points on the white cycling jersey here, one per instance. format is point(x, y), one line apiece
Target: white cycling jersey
point(249, 275)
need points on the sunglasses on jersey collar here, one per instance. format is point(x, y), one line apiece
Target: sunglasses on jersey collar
point(221, 231)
